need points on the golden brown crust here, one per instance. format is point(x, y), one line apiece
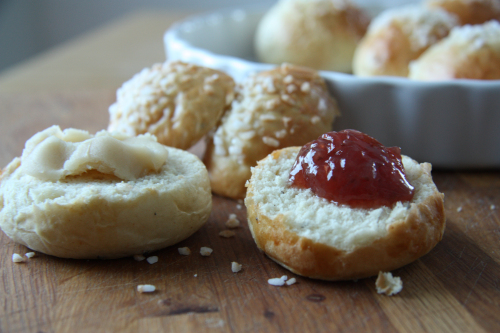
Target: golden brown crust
point(286, 106)
point(469, 12)
point(405, 242)
point(177, 102)
point(328, 30)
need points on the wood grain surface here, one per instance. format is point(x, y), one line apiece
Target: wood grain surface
point(455, 288)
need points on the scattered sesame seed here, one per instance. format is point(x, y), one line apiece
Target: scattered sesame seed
point(30, 255)
point(185, 251)
point(276, 282)
point(152, 259)
point(492, 207)
point(238, 206)
point(146, 288)
point(232, 221)
point(206, 251)
point(139, 257)
point(291, 281)
point(235, 267)
point(459, 209)
point(17, 258)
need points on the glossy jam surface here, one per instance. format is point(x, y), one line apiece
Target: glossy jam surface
point(352, 168)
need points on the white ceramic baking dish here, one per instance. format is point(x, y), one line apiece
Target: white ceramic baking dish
point(452, 124)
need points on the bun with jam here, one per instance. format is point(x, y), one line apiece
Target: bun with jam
point(343, 207)
point(76, 195)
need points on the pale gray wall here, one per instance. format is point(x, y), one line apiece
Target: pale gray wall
point(28, 27)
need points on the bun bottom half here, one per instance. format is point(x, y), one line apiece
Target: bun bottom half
point(316, 238)
point(99, 216)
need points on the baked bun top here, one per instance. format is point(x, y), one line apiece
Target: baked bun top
point(282, 107)
point(177, 102)
point(398, 36)
point(469, 52)
point(320, 34)
point(469, 11)
point(94, 211)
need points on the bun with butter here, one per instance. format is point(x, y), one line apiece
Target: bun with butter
point(76, 195)
point(286, 106)
point(321, 239)
point(177, 102)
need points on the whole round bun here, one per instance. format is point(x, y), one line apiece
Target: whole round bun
point(316, 238)
point(469, 52)
point(175, 101)
point(469, 11)
point(320, 34)
point(397, 36)
point(286, 106)
point(97, 215)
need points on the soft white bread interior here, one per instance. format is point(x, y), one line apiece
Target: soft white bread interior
point(469, 52)
point(320, 34)
point(175, 101)
point(286, 106)
point(95, 214)
point(316, 238)
point(397, 36)
point(469, 11)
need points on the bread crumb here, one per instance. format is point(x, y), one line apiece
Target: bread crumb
point(152, 259)
point(185, 251)
point(291, 281)
point(206, 251)
point(146, 288)
point(17, 258)
point(459, 209)
point(235, 267)
point(387, 284)
point(139, 257)
point(232, 221)
point(30, 255)
point(226, 233)
point(315, 120)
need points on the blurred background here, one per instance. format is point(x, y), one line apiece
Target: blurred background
point(28, 27)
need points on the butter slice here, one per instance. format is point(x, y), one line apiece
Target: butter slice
point(53, 154)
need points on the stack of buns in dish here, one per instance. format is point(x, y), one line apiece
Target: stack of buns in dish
point(282, 107)
point(320, 34)
point(469, 52)
point(469, 11)
point(318, 238)
point(397, 36)
point(76, 195)
point(400, 36)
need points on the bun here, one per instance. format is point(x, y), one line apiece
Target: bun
point(316, 238)
point(469, 11)
point(177, 102)
point(98, 215)
point(469, 52)
point(321, 34)
point(397, 36)
point(283, 107)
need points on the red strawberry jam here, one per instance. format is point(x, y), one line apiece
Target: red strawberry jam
point(352, 168)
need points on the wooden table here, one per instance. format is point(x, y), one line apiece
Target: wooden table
point(455, 288)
